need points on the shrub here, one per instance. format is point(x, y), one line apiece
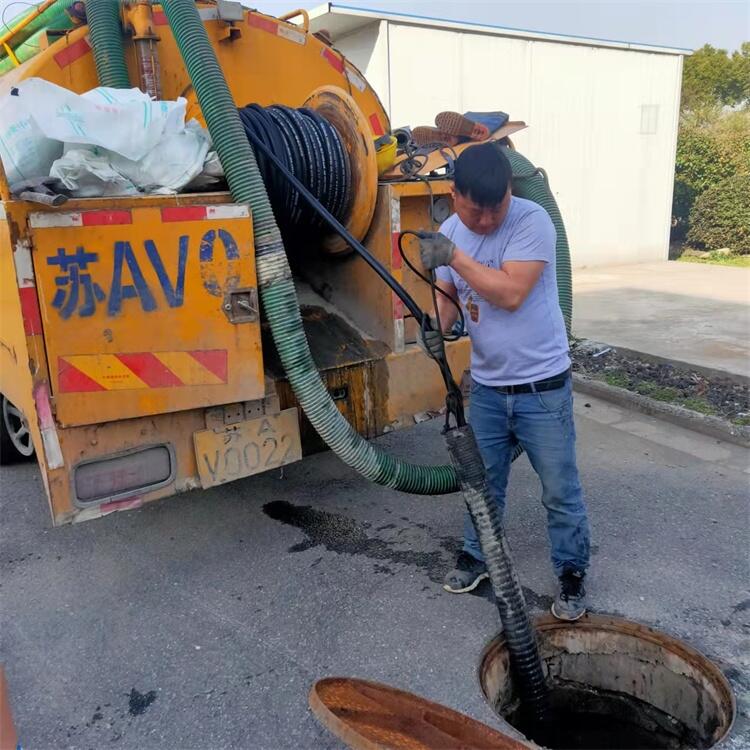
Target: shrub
point(711, 146)
point(720, 216)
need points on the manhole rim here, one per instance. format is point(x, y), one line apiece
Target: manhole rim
point(620, 625)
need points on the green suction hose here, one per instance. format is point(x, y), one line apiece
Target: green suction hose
point(32, 46)
point(531, 183)
point(277, 291)
point(106, 41)
point(52, 18)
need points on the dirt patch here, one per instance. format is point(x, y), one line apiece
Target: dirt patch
point(690, 389)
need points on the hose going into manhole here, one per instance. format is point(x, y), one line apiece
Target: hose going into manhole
point(280, 302)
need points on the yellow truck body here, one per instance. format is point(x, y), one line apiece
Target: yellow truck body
point(131, 336)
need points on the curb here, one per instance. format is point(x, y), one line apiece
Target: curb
point(692, 420)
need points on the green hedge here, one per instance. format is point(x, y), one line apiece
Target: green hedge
point(720, 216)
point(711, 146)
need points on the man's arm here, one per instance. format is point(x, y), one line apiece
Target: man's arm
point(506, 287)
point(447, 311)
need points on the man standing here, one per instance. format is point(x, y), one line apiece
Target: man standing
point(496, 257)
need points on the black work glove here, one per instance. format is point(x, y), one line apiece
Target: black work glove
point(432, 341)
point(435, 249)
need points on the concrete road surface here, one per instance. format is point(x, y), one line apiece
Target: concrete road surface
point(202, 621)
point(688, 312)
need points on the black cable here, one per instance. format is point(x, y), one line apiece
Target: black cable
point(311, 149)
point(432, 283)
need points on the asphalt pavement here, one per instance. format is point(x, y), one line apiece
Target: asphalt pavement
point(202, 621)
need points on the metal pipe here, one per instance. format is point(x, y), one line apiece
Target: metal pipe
point(148, 67)
point(8, 35)
point(139, 19)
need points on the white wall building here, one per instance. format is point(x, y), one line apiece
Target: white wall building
point(602, 115)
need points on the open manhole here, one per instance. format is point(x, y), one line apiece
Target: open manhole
point(615, 684)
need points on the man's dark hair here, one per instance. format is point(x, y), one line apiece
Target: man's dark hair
point(482, 174)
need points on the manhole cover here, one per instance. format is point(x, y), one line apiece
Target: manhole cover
point(371, 716)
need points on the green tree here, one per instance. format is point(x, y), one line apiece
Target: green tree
point(711, 76)
point(711, 146)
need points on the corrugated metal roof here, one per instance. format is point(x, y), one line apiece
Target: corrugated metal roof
point(342, 19)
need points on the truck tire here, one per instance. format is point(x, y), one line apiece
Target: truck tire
point(15, 438)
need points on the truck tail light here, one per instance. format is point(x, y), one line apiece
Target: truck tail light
point(123, 475)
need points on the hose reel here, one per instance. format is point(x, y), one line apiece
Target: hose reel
point(326, 144)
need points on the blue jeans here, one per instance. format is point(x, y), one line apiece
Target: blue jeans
point(543, 425)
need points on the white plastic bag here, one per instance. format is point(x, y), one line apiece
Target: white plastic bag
point(171, 164)
point(24, 150)
point(124, 121)
point(87, 173)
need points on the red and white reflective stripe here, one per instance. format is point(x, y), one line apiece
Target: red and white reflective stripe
point(398, 323)
point(291, 35)
point(396, 259)
point(24, 266)
point(333, 59)
point(128, 503)
point(203, 213)
point(72, 52)
point(376, 125)
point(45, 220)
point(27, 296)
point(355, 79)
point(51, 442)
point(396, 265)
point(272, 26)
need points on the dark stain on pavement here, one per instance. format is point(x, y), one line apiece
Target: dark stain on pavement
point(139, 702)
point(345, 536)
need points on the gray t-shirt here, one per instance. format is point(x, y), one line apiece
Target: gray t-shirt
point(530, 344)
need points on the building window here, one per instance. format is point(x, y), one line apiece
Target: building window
point(649, 118)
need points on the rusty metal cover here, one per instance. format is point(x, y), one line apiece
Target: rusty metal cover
point(371, 716)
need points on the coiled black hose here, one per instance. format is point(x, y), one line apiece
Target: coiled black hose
point(312, 150)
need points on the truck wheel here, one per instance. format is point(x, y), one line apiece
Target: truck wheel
point(15, 438)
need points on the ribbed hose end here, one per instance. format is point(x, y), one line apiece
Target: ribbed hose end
point(105, 32)
point(531, 183)
point(519, 634)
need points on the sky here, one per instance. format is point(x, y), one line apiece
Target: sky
point(673, 23)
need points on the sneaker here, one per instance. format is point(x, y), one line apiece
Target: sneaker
point(467, 575)
point(461, 126)
point(570, 603)
point(424, 135)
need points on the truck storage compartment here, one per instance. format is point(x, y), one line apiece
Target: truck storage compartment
point(147, 309)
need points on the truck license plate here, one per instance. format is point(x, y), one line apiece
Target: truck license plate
point(247, 448)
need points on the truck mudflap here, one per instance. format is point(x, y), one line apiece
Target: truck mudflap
point(147, 310)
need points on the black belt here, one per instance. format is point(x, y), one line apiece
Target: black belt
point(548, 384)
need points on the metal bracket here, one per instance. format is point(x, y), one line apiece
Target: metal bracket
point(227, 10)
point(241, 305)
